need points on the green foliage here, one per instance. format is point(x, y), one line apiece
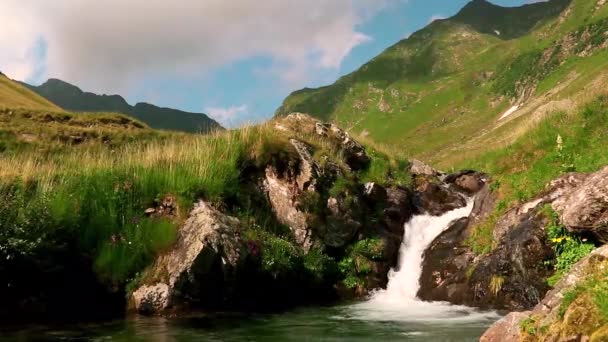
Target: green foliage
point(369, 248)
point(319, 265)
point(525, 167)
point(528, 326)
point(279, 256)
point(481, 239)
point(341, 186)
point(359, 259)
point(568, 248)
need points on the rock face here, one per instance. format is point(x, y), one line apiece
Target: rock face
point(512, 276)
point(547, 312)
point(586, 208)
point(205, 255)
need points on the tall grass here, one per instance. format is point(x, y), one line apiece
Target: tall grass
point(99, 195)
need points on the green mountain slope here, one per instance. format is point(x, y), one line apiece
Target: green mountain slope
point(72, 98)
point(14, 95)
point(441, 94)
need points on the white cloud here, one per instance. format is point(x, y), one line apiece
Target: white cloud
point(104, 45)
point(227, 116)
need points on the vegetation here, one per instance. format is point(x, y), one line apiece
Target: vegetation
point(439, 93)
point(357, 262)
point(558, 144)
point(569, 249)
point(14, 95)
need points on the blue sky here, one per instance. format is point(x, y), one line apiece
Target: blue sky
point(225, 58)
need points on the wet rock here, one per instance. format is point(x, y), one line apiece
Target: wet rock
point(585, 210)
point(195, 270)
point(512, 276)
point(445, 265)
point(436, 199)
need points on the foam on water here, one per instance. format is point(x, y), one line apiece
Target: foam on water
point(398, 302)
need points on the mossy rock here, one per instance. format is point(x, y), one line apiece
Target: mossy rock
point(600, 335)
point(581, 317)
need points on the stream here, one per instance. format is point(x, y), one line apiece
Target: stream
point(391, 314)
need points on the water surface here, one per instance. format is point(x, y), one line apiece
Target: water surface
point(341, 323)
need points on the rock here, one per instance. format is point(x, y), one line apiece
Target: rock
point(505, 330)
point(585, 210)
point(195, 270)
point(580, 319)
point(469, 182)
point(308, 168)
point(553, 299)
point(151, 299)
point(374, 193)
point(282, 196)
point(418, 168)
point(164, 207)
point(399, 209)
point(554, 193)
point(445, 265)
point(436, 199)
point(355, 155)
point(512, 276)
point(341, 226)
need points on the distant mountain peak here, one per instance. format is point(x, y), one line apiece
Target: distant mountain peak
point(70, 97)
point(508, 22)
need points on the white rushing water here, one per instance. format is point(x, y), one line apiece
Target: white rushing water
point(398, 302)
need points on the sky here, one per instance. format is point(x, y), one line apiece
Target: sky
point(235, 60)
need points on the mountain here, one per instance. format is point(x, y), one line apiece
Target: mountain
point(14, 95)
point(71, 97)
point(476, 81)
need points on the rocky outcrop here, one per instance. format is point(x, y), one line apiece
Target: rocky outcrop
point(512, 275)
point(585, 210)
point(196, 270)
point(549, 321)
point(507, 329)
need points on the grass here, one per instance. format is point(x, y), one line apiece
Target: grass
point(92, 195)
point(14, 95)
point(561, 143)
point(466, 81)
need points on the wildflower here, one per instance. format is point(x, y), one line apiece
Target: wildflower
point(560, 143)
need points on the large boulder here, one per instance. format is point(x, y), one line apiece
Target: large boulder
point(198, 267)
point(585, 210)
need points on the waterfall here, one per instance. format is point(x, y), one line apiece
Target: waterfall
point(398, 302)
point(419, 233)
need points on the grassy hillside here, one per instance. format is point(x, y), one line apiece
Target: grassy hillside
point(441, 93)
point(14, 95)
point(72, 98)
